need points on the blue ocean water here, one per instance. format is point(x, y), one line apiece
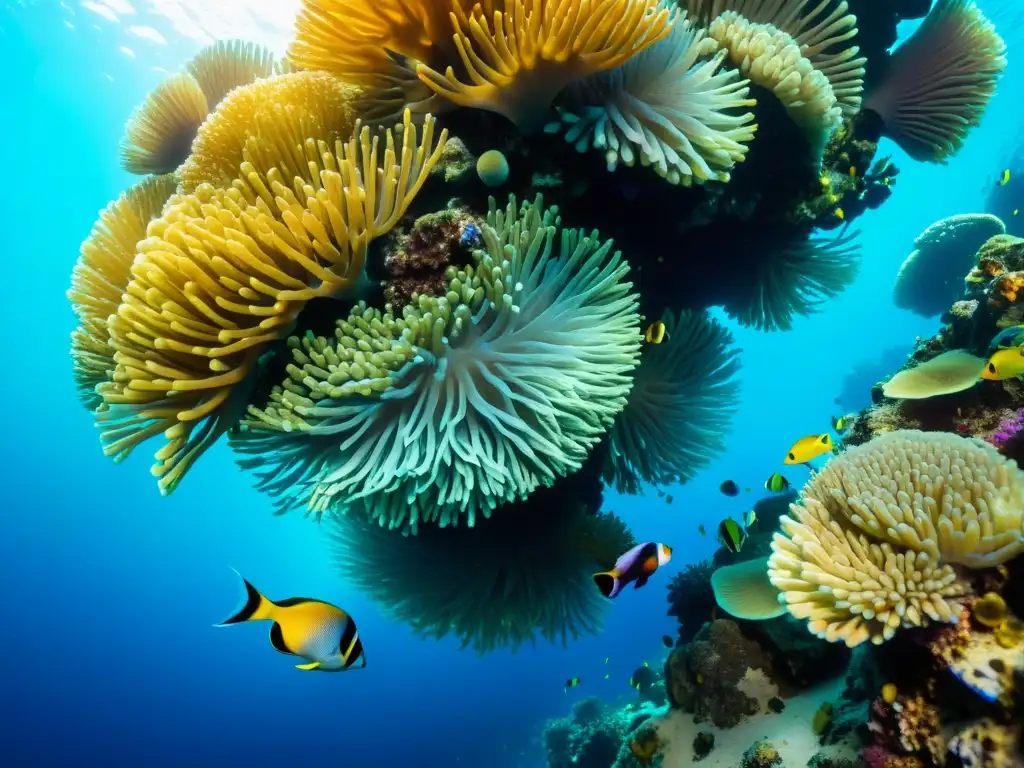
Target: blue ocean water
point(109, 592)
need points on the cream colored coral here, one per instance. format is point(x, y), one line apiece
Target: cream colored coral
point(870, 546)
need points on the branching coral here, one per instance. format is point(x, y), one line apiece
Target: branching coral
point(940, 81)
point(795, 279)
point(470, 399)
point(772, 59)
point(519, 576)
point(679, 410)
point(225, 272)
point(518, 55)
point(870, 546)
point(823, 37)
point(101, 275)
point(268, 123)
point(682, 116)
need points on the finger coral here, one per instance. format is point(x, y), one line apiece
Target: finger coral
point(679, 410)
point(224, 272)
point(468, 400)
point(520, 576)
point(520, 57)
point(101, 275)
point(771, 58)
point(871, 544)
point(273, 118)
point(940, 81)
point(683, 116)
point(796, 278)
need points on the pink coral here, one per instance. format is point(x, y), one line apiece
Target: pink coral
point(1007, 429)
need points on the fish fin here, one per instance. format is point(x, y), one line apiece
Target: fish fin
point(311, 665)
point(290, 602)
point(641, 581)
point(744, 591)
point(255, 608)
point(608, 583)
point(277, 640)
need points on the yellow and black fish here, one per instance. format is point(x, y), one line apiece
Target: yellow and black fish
point(729, 488)
point(776, 483)
point(807, 448)
point(655, 333)
point(731, 535)
point(842, 423)
point(1004, 178)
point(312, 629)
point(572, 682)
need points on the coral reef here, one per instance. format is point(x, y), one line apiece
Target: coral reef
point(691, 599)
point(597, 736)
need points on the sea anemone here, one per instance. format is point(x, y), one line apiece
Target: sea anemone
point(680, 408)
point(159, 134)
point(468, 400)
point(521, 575)
point(940, 81)
point(101, 275)
point(683, 116)
point(795, 278)
point(522, 57)
point(225, 272)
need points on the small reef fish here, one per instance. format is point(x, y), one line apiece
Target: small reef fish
point(749, 519)
point(655, 333)
point(1004, 178)
point(807, 448)
point(729, 488)
point(776, 483)
point(840, 214)
point(1004, 364)
point(842, 423)
point(636, 565)
point(701, 530)
point(668, 498)
point(312, 629)
point(572, 682)
point(667, 641)
point(731, 535)
point(853, 171)
point(1006, 338)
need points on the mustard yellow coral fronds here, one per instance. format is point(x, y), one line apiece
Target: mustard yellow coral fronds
point(158, 136)
point(870, 546)
point(228, 64)
point(519, 54)
point(223, 272)
point(101, 275)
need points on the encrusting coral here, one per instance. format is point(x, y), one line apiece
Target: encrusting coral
point(468, 400)
point(939, 82)
point(871, 545)
point(101, 275)
point(683, 116)
point(680, 407)
point(225, 272)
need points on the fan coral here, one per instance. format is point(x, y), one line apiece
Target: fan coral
point(821, 40)
point(227, 64)
point(529, 51)
point(225, 272)
point(940, 81)
point(950, 372)
point(470, 399)
point(869, 549)
point(101, 275)
point(796, 279)
point(521, 575)
point(271, 118)
point(679, 410)
point(159, 134)
point(744, 591)
point(932, 276)
point(772, 59)
point(682, 116)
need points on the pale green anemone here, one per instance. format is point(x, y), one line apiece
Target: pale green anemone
point(468, 400)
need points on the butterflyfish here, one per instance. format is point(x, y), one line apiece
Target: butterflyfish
point(637, 565)
point(655, 333)
point(842, 423)
point(731, 535)
point(776, 483)
point(323, 634)
point(807, 448)
point(572, 682)
point(729, 488)
point(749, 519)
point(1004, 364)
point(1004, 178)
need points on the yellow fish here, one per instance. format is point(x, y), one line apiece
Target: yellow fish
point(807, 448)
point(1004, 178)
point(1004, 364)
point(840, 214)
point(853, 171)
point(312, 629)
point(655, 333)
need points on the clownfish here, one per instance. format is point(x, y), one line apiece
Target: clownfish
point(636, 565)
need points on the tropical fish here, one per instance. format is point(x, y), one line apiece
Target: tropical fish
point(701, 530)
point(731, 535)
point(807, 448)
point(853, 171)
point(749, 518)
point(729, 488)
point(840, 214)
point(655, 333)
point(1004, 364)
point(572, 682)
point(636, 565)
point(667, 641)
point(312, 629)
point(1004, 178)
point(776, 483)
point(668, 498)
point(842, 423)
point(1006, 338)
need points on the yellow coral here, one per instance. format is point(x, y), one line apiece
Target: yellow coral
point(159, 134)
point(228, 64)
point(225, 271)
point(990, 610)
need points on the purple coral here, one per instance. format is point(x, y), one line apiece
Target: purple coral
point(1007, 429)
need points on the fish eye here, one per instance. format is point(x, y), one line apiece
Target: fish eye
point(991, 368)
point(791, 457)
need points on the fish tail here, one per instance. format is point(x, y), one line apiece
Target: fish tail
point(255, 608)
point(608, 583)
